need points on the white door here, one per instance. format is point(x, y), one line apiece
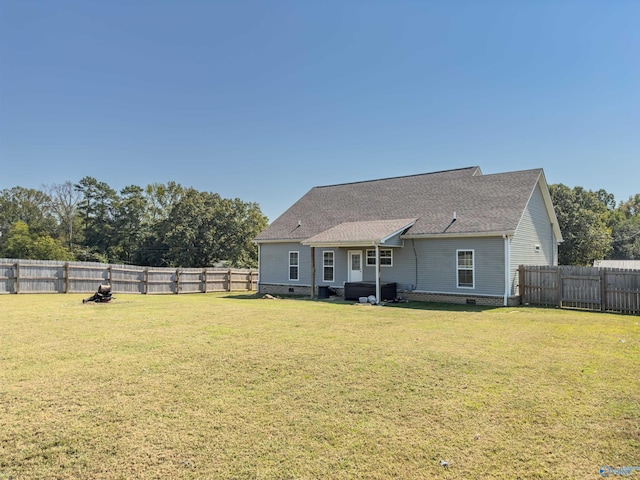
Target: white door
point(355, 266)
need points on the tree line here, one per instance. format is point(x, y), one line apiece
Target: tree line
point(169, 225)
point(594, 226)
point(158, 225)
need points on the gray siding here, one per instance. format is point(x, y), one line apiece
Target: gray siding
point(274, 263)
point(402, 272)
point(435, 260)
point(430, 265)
point(340, 265)
point(388, 274)
point(395, 241)
point(534, 229)
point(437, 265)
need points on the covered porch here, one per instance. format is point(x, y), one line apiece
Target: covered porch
point(366, 243)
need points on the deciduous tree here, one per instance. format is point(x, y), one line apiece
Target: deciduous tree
point(204, 229)
point(27, 205)
point(22, 243)
point(582, 217)
point(64, 205)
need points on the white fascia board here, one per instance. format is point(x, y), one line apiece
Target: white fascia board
point(363, 243)
point(460, 235)
point(550, 209)
point(397, 232)
point(281, 240)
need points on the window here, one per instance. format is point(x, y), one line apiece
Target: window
point(465, 267)
point(294, 263)
point(327, 266)
point(386, 257)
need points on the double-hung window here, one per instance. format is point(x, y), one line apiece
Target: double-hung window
point(465, 268)
point(327, 266)
point(294, 264)
point(386, 257)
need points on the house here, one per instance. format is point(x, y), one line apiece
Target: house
point(454, 236)
point(622, 264)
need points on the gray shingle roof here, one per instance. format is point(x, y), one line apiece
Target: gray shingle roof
point(371, 231)
point(483, 204)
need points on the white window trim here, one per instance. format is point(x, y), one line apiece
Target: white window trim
point(297, 266)
point(473, 268)
point(367, 258)
point(333, 265)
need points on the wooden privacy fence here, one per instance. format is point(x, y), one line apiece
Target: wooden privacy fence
point(588, 288)
point(44, 276)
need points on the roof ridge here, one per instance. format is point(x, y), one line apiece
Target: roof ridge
point(401, 176)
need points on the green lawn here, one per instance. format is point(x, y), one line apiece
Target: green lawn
point(215, 386)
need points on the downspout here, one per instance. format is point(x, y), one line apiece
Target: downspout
point(377, 273)
point(507, 269)
point(313, 272)
point(259, 268)
point(415, 254)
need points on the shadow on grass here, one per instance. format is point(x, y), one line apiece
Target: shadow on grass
point(260, 296)
point(445, 307)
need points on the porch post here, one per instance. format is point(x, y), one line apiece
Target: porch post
point(377, 273)
point(313, 272)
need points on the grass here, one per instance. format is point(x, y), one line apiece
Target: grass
point(216, 386)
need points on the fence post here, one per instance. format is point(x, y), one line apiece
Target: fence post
point(204, 281)
point(521, 283)
point(110, 272)
point(229, 281)
point(17, 277)
point(250, 280)
point(603, 290)
point(177, 281)
point(146, 281)
point(66, 277)
point(559, 286)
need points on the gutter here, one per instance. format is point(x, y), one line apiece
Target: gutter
point(281, 240)
point(509, 233)
point(259, 267)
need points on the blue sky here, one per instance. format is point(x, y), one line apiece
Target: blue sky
point(263, 100)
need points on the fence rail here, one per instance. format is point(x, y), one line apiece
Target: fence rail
point(588, 288)
point(44, 276)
